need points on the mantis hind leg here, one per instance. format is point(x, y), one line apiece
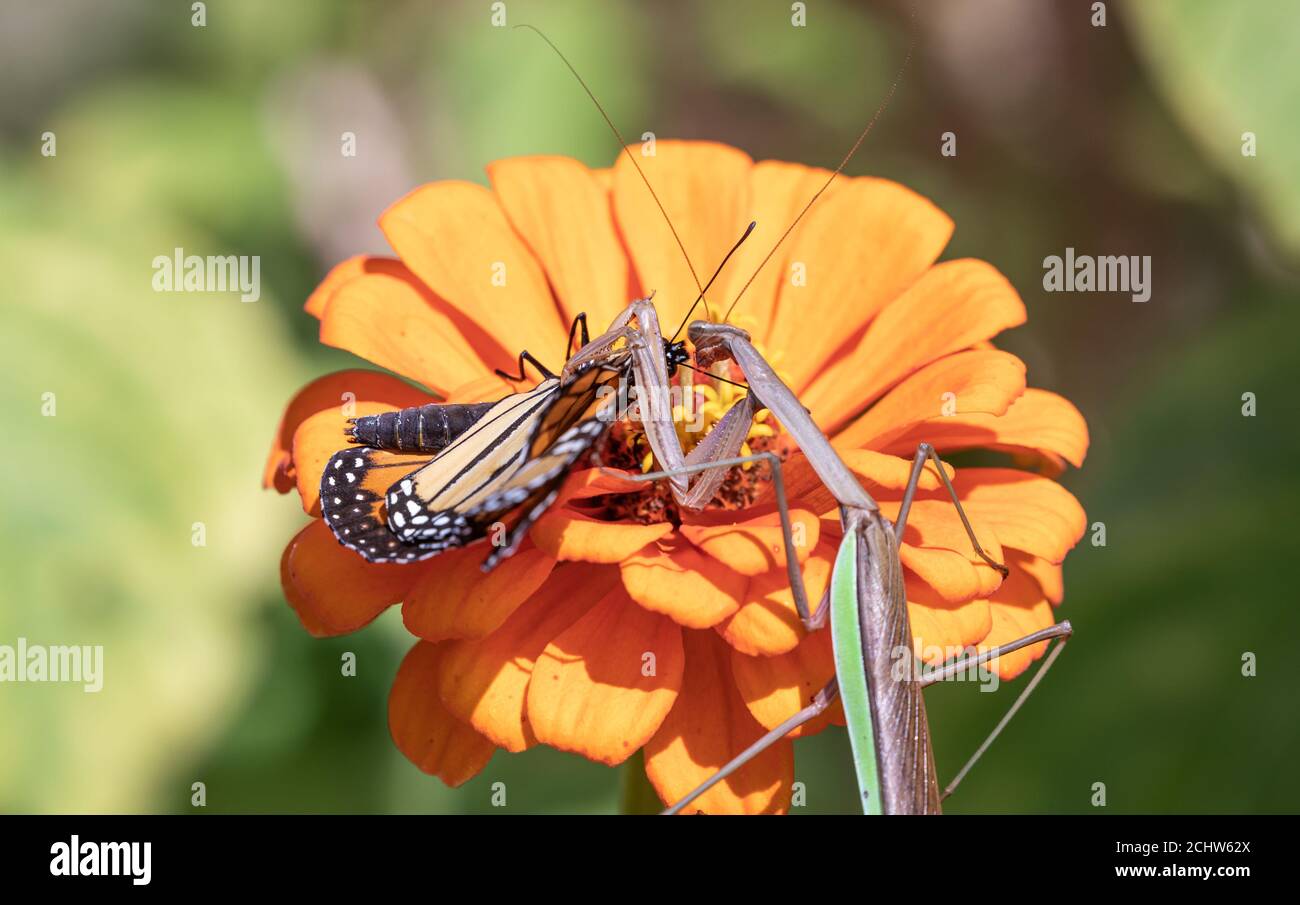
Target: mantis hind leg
point(924, 452)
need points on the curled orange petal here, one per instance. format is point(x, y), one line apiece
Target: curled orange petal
point(485, 681)
point(1039, 423)
point(708, 727)
point(567, 534)
point(776, 688)
point(986, 381)
point(767, 623)
point(941, 629)
point(455, 599)
point(1016, 609)
point(1026, 511)
point(333, 590)
point(683, 584)
point(750, 541)
point(603, 685)
point(424, 730)
point(340, 273)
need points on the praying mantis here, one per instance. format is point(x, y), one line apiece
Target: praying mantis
point(865, 602)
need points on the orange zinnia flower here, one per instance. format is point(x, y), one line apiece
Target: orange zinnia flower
point(611, 632)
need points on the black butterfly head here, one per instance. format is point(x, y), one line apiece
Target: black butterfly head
point(675, 354)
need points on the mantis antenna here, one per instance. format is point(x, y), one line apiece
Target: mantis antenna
point(613, 128)
point(898, 78)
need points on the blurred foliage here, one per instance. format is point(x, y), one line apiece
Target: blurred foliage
point(1122, 139)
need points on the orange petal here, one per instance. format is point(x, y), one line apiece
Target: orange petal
point(708, 726)
point(563, 213)
point(753, 545)
point(942, 630)
point(346, 270)
point(937, 548)
point(1026, 511)
point(683, 584)
point(455, 599)
point(704, 188)
point(767, 623)
point(333, 590)
point(320, 437)
point(1038, 422)
point(398, 324)
point(985, 381)
point(777, 191)
point(859, 249)
point(776, 688)
point(333, 391)
point(1018, 608)
point(1050, 576)
point(567, 534)
point(456, 238)
point(485, 681)
point(424, 730)
point(604, 685)
point(950, 308)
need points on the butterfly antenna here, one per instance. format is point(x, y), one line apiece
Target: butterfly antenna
point(853, 150)
point(700, 297)
point(613, 128)
point(711, 375)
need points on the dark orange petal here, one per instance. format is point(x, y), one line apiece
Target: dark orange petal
point(424, 730)
point(683, 584)
point(1050, 576)
point(455, 599)
point(1026, 511)
point(937, 548)
point(942, 630)
point(708, 726)
point(777, 191)
point(973, 381)
point(567, 534)
point(604, 685)
point(1038, 422)
point(333, 590)
point(1018, 608)
point(776, 688)
point(563, 213)
point(859, 249)
point(333, 391)
point(750, 541)
point(346, 270)
point(456, 238)
point(398, 324)
point(767, 623)
point(485, 681)
point(704, 187)
point(951, 307)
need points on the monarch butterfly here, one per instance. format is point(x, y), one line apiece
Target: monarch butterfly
point(438, 476)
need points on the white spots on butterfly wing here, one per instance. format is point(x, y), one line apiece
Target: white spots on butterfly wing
point(352, 478)
point(398, 519)
point(413, 507)
point(407, 486)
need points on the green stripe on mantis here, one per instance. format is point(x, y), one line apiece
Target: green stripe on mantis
point(851, 671)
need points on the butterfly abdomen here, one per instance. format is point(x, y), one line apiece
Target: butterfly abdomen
point(420, 428)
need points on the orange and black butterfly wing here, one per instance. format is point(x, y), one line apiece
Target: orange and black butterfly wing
point(534, 487)
point(352, 501)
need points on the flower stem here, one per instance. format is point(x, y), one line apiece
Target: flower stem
point(638, 796)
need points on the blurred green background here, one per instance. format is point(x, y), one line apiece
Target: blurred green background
point(223, 139)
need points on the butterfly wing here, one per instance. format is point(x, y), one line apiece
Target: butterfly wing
point(352, 492)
